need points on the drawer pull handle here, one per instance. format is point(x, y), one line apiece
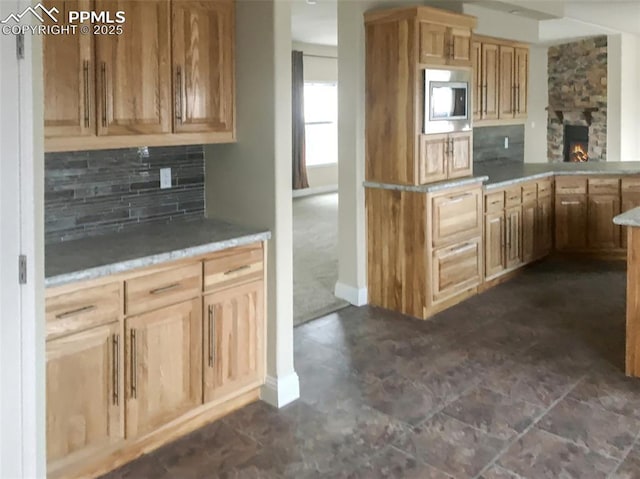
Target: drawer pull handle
point(164, 289)
point(212, 334)
point(74, 312)
point(463, 247)
point(496, 202)
point(566, 203)
point(237, 270)
point(457, 199)
point(116, 369)
point(85, 82)
point(134, 364)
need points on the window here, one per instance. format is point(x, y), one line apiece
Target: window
point(321, 123)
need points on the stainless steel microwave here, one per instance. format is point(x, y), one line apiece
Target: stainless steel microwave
point(447, 100)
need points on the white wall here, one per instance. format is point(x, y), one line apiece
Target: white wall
point(630, 107)
point(250, 181)
point(320, 65)
point(614, 97)
point(535, 128)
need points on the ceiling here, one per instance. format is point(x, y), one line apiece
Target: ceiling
point(559, 20)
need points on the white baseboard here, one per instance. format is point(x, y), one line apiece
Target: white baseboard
point(318, 190)
point(356, 296)
point(281, 391)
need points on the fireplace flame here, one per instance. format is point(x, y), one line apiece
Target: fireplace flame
point(578, 153)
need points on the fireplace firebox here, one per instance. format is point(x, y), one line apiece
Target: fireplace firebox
point(576, 143)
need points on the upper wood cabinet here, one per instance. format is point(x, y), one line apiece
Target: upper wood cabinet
point(401, 44)
point(167, 79)
point(84, 393)
point(203, 65)
point(68, 70)
point(133, 70)
point(502, 67)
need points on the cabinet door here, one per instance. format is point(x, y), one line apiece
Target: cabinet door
point(490, 81)
point(529, 231)
point(507, 82)
point(234, 337)
point(629, 201)
point(603, 234)
point(134, 70)
point(494, 244)
point(84, 402)
point(514, 236)
point(460, 47)
point(571, 222)
point(456, 269)
point(68, 71)
point(433, 158)
point(460, 159)
point(433, 44)
point(456, 216)
point(163, 365)
point(521, 82)
point(476, 61)
point(544, 228)
point(203, 65)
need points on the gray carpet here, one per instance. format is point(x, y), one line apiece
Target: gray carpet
point(315, 257)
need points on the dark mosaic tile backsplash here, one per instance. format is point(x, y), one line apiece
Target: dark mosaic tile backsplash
point(89, 193)
point(488, 144)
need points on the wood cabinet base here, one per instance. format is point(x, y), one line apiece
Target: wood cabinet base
point(632, 356)
point(126, 451)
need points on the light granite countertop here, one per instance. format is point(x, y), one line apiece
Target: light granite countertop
point(501, 175)
point(628, 218)
point(430, 187)
point(91, 258)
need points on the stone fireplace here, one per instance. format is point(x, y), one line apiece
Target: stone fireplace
point(577, 120)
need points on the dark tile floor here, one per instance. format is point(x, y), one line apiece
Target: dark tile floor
point(523, 381)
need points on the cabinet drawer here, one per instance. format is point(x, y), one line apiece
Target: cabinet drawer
point(529, 193)
point(494, 202)
point(571, 185)
point(513, 197)
point(83, 309)
point(631, 184)
point(456, 216)
point(232, 267)
point(609, 186)
point(163, 288)
point(456, 269)
point(544, 188)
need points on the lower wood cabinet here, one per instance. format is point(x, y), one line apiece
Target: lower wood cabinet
point(234, 334)
point(571, 222)
point(603, 234)
point(456, 268)
point(494, 244)
point(121, 383)
point(514, 238)
point(85, 403)
point(163, 365)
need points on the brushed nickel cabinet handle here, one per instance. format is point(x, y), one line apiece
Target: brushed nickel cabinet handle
point(179, 94)
point(237, 270)
point(508, 232)
point(116, 369)
point(134, 364)
point(74, 312)
point(85, 79)
point(211, 336)
point(486, 103)
point(459, 198)
point(566, 203)
point(164, 289)
point(518, 97)
point(103, 74)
